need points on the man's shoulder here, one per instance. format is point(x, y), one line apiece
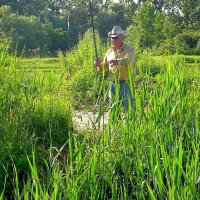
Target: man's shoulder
point(127, 46)
point(128, 49)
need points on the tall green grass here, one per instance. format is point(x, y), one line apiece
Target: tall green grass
point(33, 114)
point(84, 81)
point(154, 154)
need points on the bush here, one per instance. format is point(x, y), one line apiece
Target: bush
point(187, 43)
point(149, 65)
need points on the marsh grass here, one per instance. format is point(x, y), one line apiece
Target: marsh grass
point(154, 154)
point(39, 63)
point(32, 115)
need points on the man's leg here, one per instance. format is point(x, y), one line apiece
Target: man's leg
point(115, 103)
point(126, 96)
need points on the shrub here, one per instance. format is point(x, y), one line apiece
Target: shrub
point(187, 43)
point(150, 65)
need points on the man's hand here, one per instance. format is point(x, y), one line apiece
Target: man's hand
point(97, 62)
point(113, 62)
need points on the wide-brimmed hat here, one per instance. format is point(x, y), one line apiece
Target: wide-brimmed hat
point(116, 31)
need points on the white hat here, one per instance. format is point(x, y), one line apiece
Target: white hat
point(116, 31)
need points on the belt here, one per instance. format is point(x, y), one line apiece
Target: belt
point(121, 81)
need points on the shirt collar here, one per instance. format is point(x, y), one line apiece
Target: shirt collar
point(121, 49)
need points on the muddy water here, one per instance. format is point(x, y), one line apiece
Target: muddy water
point(87, 120)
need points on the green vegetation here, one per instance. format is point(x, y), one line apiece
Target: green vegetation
point(33, 111)
point(152, 153)
point(44, 64)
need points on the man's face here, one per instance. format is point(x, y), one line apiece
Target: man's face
point(117, 41)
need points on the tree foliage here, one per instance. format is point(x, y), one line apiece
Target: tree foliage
point(57, 24)
point(28, 33)
point(146, 24)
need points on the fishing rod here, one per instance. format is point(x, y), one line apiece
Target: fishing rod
point(96, 55)
point(101, 112)
point(94, 39)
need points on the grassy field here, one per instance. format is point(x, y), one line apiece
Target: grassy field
point(150, 153)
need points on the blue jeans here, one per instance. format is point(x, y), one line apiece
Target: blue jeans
point(121, 92)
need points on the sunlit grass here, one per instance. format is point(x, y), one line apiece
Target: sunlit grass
point(39, 63)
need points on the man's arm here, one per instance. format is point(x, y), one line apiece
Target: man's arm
point(102, 66)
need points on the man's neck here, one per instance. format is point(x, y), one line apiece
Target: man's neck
point(117, 48)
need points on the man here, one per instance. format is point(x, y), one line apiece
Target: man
point(119, 62)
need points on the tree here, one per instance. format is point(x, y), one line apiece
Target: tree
point(130, 10)
point(133, 37)
point(27, 32)
point(185, 12)
point(25, 7)
point(109, 17)
point(145, 19)
point(119, 9)
point(159, 27)
point(104, 21)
